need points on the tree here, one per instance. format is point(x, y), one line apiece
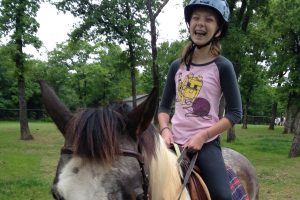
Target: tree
point(113, 20)
point(237, 46)
point(154, 8)
point(285, 57)
point(285, 60)
point(166, 54)
point(89, 74)
point(295, 148)
point(17, 21)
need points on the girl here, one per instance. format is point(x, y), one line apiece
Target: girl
point(197, 81)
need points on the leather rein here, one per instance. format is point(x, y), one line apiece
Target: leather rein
point(128, 153)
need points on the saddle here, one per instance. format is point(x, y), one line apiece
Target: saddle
point(191, 176)
point(195, 184)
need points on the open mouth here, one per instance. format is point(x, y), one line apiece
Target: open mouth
point(200, 33)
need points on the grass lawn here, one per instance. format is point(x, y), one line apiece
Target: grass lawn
point(27, 168)
point(278, 175)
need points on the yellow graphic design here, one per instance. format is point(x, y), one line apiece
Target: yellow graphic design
point(189, 88)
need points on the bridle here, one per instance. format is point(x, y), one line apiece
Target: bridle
point(128, 153)
point(138, 155)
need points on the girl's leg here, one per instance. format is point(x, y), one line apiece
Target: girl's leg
point(213, 171)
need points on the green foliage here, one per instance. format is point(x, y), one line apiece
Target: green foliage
point(247, 45)
point(36, 70)
point(89, 74)
point(20, 13)
point(261, 43)
point(121, 21)
point(6, 78)
point(285, 58)
point(284, 51)
point(167, 53)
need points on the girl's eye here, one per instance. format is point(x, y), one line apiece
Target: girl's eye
point(209, 19)
point(195, 18)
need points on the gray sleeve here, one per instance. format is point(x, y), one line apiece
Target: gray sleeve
point(169, 89)
point(231, 92)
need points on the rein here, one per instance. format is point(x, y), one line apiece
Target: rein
point(189, 169)
point(128, 153)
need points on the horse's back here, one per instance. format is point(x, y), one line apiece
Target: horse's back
point(244, 170)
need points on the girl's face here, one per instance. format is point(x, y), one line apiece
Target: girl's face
point(203, 25)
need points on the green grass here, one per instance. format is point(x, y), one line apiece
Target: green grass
point(279, 176)
point(27, 168)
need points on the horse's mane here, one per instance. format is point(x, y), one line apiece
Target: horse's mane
point(165, 180)
point(97, 133)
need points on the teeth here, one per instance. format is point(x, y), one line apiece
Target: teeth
point(200, 32)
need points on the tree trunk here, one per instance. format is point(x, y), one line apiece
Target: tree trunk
point(132, 74)
point(294, 121)
point(155, 74)
point(242, 11)
point(245, 117)
point(288, 120)
point(295, 148)
point(24, 128)
point(291, 114)
point(274, 114)
point(231, 134)
point(154, 55)
point(19, 60)
point(131, 58)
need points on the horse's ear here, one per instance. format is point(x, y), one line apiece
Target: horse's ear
point(59, 113)
point(141, 116)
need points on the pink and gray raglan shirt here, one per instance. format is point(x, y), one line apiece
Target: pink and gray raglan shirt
point(197, 95)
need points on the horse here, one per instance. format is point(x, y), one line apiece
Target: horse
point(116, 153)
point(277, 121)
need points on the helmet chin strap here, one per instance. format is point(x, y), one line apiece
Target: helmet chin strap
point(194, 45)
point(202, 45)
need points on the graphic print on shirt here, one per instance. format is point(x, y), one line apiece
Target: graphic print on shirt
point(188, 91)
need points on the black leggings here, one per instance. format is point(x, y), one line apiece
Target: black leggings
point(212, 167)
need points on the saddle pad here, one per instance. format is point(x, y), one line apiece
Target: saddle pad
point(237, 189)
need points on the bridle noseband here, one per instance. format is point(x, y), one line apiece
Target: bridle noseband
point(128, 153)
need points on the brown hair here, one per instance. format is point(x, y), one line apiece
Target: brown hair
point(215, 50)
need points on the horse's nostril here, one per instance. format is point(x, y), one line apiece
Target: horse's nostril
point(55, 193)
point(140, 197)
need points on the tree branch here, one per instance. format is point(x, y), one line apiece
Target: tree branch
point(160, 8)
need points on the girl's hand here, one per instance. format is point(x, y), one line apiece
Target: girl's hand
point(196, 142)
point(167, 136)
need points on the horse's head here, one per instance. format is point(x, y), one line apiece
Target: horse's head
point(104, 150)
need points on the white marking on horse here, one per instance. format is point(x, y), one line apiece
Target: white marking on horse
point(85, 184)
